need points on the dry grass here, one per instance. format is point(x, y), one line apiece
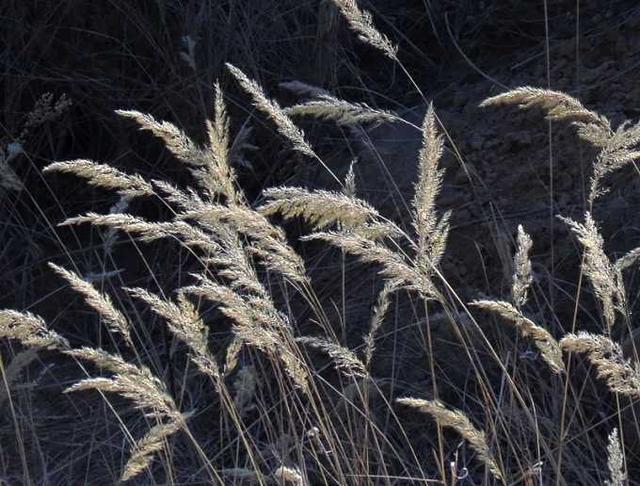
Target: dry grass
point(254, 376)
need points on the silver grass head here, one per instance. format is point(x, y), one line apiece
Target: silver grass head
point(135, 383)
point(377, 318)
point(546, 344)
point(557, 105)
point(30, 330)
point(621, 375)
point(342, 112)
point(147, 448)
point(274, 112)
point(101, 303)
point(178, 143)
point(615, 461)
point(269, 243)
point(349, 188)
point(104, 176)
point(343, 358)
point(319, 208)
point(432, 231)
point(522, 277)
point(400, 272)
point(361, 23)
point(604, 277)
point(458, 421)
point(185, 323)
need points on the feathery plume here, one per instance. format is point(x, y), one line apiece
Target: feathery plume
point(185, 323)
point(274, 112)
point(150, 231)
point(343, 358)
point(30, 330)
point(178, 143)
point(101, 303)
point(621, 375)
point(432, 233)
point(232, 355)
point(604, 277)
point(218, 176)
point(558, 105)
point(257, 323)
point(349, 188)
point(617, 147)
point(361, 23)
point(615, 461)
point(394, 266)
point(104, 176)
point(547, 345)
point(147, 448)
point(521, 269)
point(458, 421)
point(627, 260)
point(135, 383)
point(327, 107)
point(379, 312)
point(320, 208)
point(269, 242)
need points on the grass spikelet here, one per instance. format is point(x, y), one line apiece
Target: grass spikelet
point(30, 330)
point(605, 279)
point(185, 323)
point(343, 358)
point(379, 312)
point(232, 355)
point(319, 208)
point(274, 112)
point(621, 375)
point(557, 105)
point(146, 449)
point(458, 421)
point(342, 112)
point(617, 147)
point(101, 303)
point(136, 383)
point(361, 23)
point(178, 143)
point(269, 242)
point(547, 345)
point(615, 461)
point(149, 231)
point(522, 277)
point(431, 231)
point(627, 260)
point(257, 323)
point(104, 176)
point(349, 188)
point(218, 175)
point(394, 266)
